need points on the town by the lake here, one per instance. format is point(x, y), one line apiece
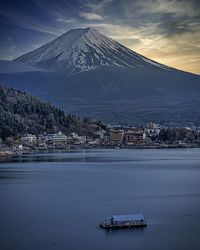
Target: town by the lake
point(113, 136)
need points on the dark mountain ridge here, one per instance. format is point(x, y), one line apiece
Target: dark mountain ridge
point(22, 113)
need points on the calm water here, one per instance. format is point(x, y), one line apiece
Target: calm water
point(55, 201)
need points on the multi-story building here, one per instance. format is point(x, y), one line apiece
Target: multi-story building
point(134, 136)
point(116, 136)
point(152, 131)
point(28, 139)
point(58, 138)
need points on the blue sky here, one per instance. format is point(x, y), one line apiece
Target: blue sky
point(167, 31)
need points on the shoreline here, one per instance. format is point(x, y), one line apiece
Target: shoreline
point(6, 154)
point(9, 153)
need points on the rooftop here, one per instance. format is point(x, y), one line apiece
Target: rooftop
point(129, 217)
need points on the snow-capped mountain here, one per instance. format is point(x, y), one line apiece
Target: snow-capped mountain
point(87, 73)
point(85, 49)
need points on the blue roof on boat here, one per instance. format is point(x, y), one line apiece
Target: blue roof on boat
point(128, 217)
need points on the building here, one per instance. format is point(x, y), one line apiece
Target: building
point(82, 139)
point(57, 139)
point(101, 134)
point(116, 136)
point(134, 136)
point(152, 132)
point(78, 140)
point(28, 139)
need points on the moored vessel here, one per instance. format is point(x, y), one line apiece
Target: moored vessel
point(124, 221)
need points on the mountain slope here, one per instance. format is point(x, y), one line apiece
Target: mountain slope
point(16, 67)
point(22, 113)
point(89, 74)
point(85, 49)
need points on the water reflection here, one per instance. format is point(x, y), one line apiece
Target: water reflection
point(56, 200)
point(106, 155)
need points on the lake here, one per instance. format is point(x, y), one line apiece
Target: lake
point(56, 200)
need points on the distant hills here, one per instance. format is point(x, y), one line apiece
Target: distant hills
point(89, 74)
point(22, 113)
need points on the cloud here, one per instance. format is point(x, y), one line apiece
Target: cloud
point(175, 7)
point(95, 6)
point(64, 20)
point(90, 16)
point(180, 51)
point(178, 15)
point(164, 30)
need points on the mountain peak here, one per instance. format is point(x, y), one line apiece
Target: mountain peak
point(80, 31)
point(85, 49)
point(91, 28)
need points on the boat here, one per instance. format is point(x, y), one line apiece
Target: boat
point(124, 221)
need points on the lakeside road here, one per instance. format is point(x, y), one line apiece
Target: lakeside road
point(6, 154)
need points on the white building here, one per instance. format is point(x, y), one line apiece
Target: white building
point(29, 139)
point(56, 138)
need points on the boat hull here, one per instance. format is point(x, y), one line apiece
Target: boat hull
point(111, 226)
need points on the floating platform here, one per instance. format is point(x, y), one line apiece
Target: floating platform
point(124, 221)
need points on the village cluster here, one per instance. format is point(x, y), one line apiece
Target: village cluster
point(150, 136)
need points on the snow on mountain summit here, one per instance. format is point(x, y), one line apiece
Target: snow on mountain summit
point(85, 49)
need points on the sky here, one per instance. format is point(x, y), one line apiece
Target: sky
point(167, 31)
